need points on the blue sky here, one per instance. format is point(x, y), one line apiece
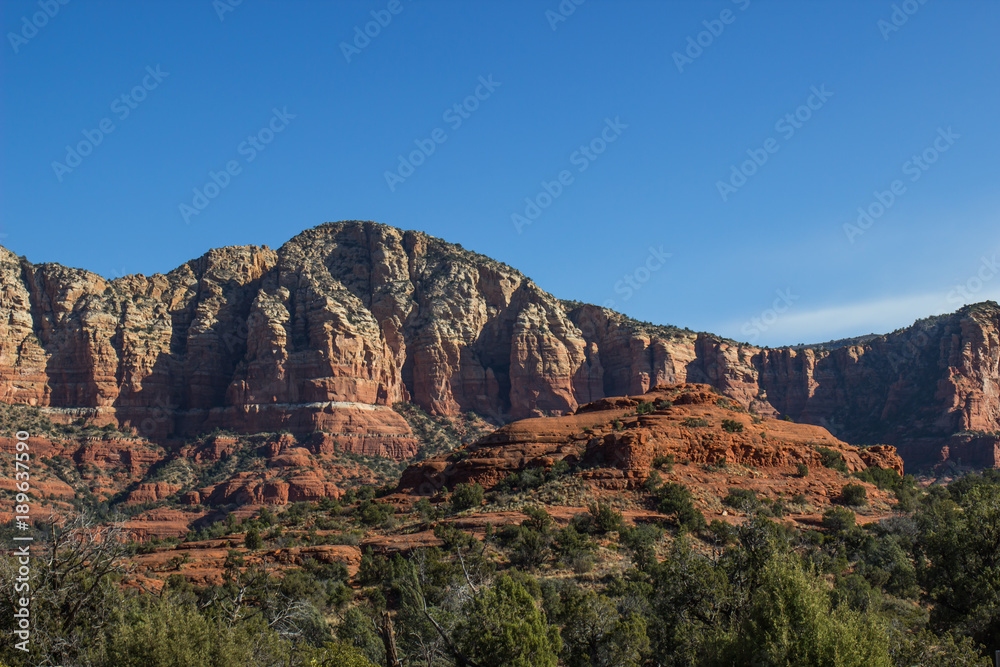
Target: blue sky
point(692, 163)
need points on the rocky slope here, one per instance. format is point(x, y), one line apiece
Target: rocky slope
point(164, 491)
point(615, 451)
point(614, 443)
point(326, 334)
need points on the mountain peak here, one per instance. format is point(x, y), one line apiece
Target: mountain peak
point(357, 313)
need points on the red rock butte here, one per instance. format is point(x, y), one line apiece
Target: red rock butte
point(613, 443)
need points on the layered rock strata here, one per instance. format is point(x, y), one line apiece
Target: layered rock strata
point(347, 319)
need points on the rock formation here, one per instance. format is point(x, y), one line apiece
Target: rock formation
point(323, 336)
point(613, 443)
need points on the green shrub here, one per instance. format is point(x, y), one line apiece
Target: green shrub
point(505, 628)
point(832, 459)
point(883, 478)
point(802, 470)
point(652, 482)
point(538, 519)
point(745, 500)
point(570, 543)
point(854, 494)
point(466, 496)
point(176, 562)
point(328, 504)
point(426, 510)
point(721, 532)
point(664, 462)
point(906, 499)
point(778, 508)
point(838, 519)
point(720, 462)
point(266, 517)
point(790, 620)
point(641, 541)
point(529, 547)
point(295, 513)
point(340, 655)
point(695, 422)
point(253, 540)
point(603, 518)
point(532, 478)
point(732, 426)
point(675, 500)
point(454, 537)
point(582, 563)
point(903, 487)
point(168, 633)
point(373, 513)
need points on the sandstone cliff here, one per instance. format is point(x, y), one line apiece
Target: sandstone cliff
point(327, 333)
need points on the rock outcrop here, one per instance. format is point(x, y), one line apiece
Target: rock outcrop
point(65, 471)
point(324, 335)
point(613, 443)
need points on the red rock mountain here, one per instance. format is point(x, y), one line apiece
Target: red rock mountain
point(326, 334)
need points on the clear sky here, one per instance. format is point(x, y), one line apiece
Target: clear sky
point(689, 163)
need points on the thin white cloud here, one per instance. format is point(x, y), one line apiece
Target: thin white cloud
point(797, 325)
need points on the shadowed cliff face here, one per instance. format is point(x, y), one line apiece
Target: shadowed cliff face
point(914, 388)
point(349, 318)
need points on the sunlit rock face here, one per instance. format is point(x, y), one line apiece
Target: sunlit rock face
point(347, 319)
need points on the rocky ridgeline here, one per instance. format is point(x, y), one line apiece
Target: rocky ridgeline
point(347, 319)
